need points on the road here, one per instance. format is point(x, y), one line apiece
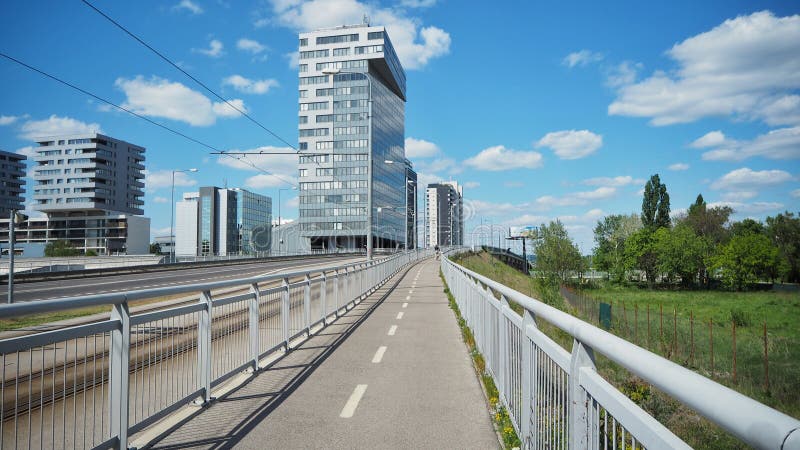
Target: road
point(44, 290)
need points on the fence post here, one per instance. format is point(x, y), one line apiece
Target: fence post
point(711, 340)
point(733, 330)
point(691, 330)
point(766, 359)
point(119, 359)
point(307, 303)
point(503, 359)
point(323, 292)
point(285, 312)
point(525, 422)
point(336, 293)
point(204, 345)
point(579, 416)
point(254, 334)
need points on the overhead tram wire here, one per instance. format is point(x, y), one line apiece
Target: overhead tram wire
point(152, 122)
point(173, 64)
point(203, 85)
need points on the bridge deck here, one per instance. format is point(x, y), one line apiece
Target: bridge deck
point(355, 385)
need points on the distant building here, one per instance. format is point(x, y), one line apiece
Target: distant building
point(102, 233)
point(90, 186)
point(340, 138)
point(444, 223)
point(411, 204)
point(88, 173)
point(221, 222)
point(12, 182)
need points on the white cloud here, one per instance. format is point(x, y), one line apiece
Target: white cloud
point(293, 58)
point(159, 97)
point(710, 139)
point(678, 166)
point(160, 200)
point(738, 196)
point(425, 178)
point(418, 3)
point(744, 178)
point(248, 86)
point(189, 5)
point(571, 144)
point(250, 46)
point(475, 184)
point(619, 181)
point(499, 158)
point(55, 126)
point(163, 178)
point(439, 165)
point(7, 120)
point(415, 45)
point(623, 74)
point(746, 68)
point(581, 58)
point(215, 49)
point(795, 193)
point(749, 208)
point(420, 148)
point(783, 143)
point(576, 198)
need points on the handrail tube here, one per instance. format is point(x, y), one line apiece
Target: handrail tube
point(110, 299)
point(752, 422)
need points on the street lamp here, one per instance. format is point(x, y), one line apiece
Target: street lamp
point(172, 215)
point(16, 217)
point(333, 72)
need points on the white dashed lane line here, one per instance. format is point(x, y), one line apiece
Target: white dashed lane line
point(399, 315)
point(379, 354)
point(405, 305)
point(408, 297)
point(352, 402)
point(392, 330)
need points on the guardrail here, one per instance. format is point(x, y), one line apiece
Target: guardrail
point(94, 385)
point(556, 399)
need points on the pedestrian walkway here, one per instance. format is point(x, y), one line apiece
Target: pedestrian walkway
point(391, 373)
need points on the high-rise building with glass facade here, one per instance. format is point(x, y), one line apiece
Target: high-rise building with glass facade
point(12, 182)
point(444, 206)
point(216, 221)
point(342, 71)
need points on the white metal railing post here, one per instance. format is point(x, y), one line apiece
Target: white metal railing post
point(323, 292)
point(285, 306)
point(204, 345)
point(527, 378)
point(582, 356)
point(504, 357)
point(254, 334)
point(336, 293)
point(119, 359)
point(307, 303)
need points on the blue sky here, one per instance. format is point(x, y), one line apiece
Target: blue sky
point(541, 109)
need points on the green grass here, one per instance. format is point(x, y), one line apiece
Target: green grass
point(695, 430)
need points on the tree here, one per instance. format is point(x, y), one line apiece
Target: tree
point(610, 235)
point(680, 252)
point(708, 224)
point(746, 259)
point(60, 247)
point(640, 252)
point(655, 204)
point(155, 248)
point(784, 232)
point(556, 254)
point(747, 226)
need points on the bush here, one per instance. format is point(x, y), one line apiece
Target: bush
point(740, 318)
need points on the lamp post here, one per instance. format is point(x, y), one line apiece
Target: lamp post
point(172, 215)
point(333, 72)
point(14, 218)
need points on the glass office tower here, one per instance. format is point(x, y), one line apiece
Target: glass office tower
point(337, 136)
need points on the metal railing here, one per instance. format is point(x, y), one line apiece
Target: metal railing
point(557, 399)
point(94, 385)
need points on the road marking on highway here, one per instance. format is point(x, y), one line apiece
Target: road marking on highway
point(405, 305)
point(352, 402)
point(408, 297)
point(392, 330)
point(379, 354)
point(399, 315)
point(411, 291)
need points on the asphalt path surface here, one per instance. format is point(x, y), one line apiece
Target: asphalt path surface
point(44, 290)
